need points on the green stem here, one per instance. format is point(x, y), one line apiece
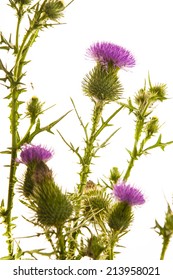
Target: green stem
point(113, 240)
point(61, 245)
point(14, 134)
point(10, 203)
point(111, 253)
point(26, 49)
point(89, 149)
point(17, 34)
point(166, 241)
point(52, 244)
point(86, 162)
point(26, 136)
point(20, 14)
point(134, 152)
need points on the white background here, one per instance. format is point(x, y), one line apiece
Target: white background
point(57, 68)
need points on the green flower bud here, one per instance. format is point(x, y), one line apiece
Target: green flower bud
point(52, 207)
point(96, 204)
point(152, 127)
point(120, 216)
point(53, 9)
point(34, 108)
point(102, 84)
point(94, 247)
point(141, 98)
point(158, 92)
point(114, 175)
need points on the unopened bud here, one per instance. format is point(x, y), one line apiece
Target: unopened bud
point(94, 248)
point(53, 9)
point(34, 108)
point(120, 217)
point(141, 98)
point(152, 127)
point(114, 175)
point(158, 92)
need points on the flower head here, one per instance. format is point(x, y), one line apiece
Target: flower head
point(32, 153)
point(108, 53)
point(53, 9)
point(125, 193)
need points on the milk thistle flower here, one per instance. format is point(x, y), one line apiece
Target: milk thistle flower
point(107, 54)
point(125, 193)
point(32, 153)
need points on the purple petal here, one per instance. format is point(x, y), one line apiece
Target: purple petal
point(124, 192)
point(106, 53)
point(32, 153)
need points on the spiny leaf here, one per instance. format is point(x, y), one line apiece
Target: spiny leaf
point(106, 123)
point(106, 141)
point(72, 148)
point(45, 128)
point(5, 152)
point(6, 258)
point(80, 120)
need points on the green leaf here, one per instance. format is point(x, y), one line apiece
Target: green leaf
point(45, 128)
point(80, 120)
point(72, 148)
point(106, 123)
point(5, 152)
point(105, 143)
point(2, 203)
point(38, 125)
point(6, 258)
point(5, 48)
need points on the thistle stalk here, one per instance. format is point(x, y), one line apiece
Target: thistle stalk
point(113, 240)
point(20, 53)
point(14, 132)
point(166, 241)
point(134, 153)
point(89, 152)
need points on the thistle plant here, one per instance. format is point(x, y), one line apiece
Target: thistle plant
point(91, 219)
point(40, 15)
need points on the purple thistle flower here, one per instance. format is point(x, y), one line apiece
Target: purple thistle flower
point(108, 53)
point(31, 153)
point(131, 195)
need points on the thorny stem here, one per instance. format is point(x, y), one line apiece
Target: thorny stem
point(10, 201)
point(52, 244)
point(86, 162)
point(111, 252)
point(20, 53)
point(17, 31)
point(12, 179)
point(113, 240)
point(166, 241)
point(61, 245)
point(89, 152)
point(134, 153)
point(14, 131)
